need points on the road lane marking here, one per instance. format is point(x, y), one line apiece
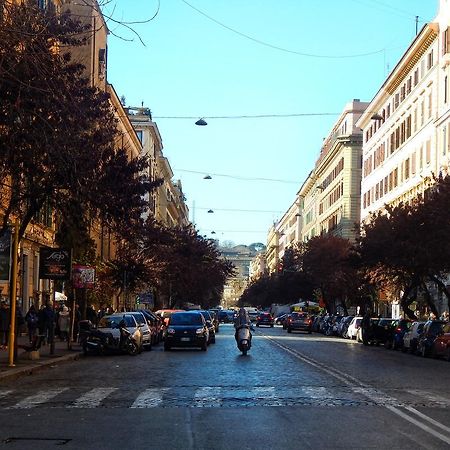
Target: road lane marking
point(369, 392)
point(41, 397)
point(93, 398)
point(208, 397)
point(377, 396)
point(150, 398)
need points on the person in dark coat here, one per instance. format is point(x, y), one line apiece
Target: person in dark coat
point(31, 319)
point(47, 321)
point(5, 320)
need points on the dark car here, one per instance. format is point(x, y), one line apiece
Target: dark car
point(187, 329)
point(279, 320)
point(215, 318)
point(226, 316)
point(210, 325)
point(441, 345)
point(299, 321)
point(398, 329)
point(380, 332)
point(431, 330)
point(264, 318)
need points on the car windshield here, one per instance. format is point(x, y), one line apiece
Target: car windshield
point(113, 321)
point(186, 319)
point(298, 315)
point(435, 327)
point(139, 318)
point(206, 315)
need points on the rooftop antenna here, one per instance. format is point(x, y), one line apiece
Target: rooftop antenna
point(417, 24)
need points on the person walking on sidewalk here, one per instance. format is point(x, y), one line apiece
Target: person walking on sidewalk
point(64, 323)
point(31, 319)
point(5, 320)
point(47, 320)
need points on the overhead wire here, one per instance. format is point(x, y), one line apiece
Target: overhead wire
point(282, 49)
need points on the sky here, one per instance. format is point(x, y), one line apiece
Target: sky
point(296, 61)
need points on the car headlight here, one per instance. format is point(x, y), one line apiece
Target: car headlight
point(199, 330)
point(170, 331)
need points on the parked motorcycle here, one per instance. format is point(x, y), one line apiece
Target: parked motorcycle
point(243, 338)
point(100, 342)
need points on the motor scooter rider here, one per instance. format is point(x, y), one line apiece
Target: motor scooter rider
point(242, 320)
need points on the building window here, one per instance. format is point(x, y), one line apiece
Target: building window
point(444, 140)
point(430, 60)
point(428, 152)
point(139, 135)
point(445, 89)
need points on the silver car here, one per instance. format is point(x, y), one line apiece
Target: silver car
point(110, 324)
point(145, 329)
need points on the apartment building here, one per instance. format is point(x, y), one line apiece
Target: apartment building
point(407, 125)
point(330, 196)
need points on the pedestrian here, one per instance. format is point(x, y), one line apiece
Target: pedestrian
point(76, 322)
point(91, 314)
point(5, 320)
point(32, 319)
point(64, 323)
point(48, 322)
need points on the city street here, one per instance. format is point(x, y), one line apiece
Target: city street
point(291, 391)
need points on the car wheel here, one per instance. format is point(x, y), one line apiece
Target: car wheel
point(204, 347)
point(166, 348)
point(213, 340)
point(423, 351)
point(148, 347)
point(289, 330)
point(447, 354)
point(257, 324)
point(271, 326)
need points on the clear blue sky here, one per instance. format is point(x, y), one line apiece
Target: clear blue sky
point(193, 66)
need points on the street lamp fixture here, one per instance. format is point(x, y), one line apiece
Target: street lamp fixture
point(377, 116)
point(207, 177)
point(210, 211)
point(201, 122)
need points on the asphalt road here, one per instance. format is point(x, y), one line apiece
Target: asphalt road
point(292, 391)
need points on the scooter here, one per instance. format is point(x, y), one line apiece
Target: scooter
point(244, 338)
point(99, 342)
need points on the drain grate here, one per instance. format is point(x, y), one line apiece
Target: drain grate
point(56, 441)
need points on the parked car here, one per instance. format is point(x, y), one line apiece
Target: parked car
point(279, 320)
point(110, 324)
point(145, 328)
point(394, 339)
point(226, 316)
point(166, 313)
point(353, 327)
point(431, 330)
point(186, 329)
point(264, 318)
point(411, 337)
point(210, 324)
point(343, 326)
point(215, 319)
point(441, 345)
point(333, 328)
point(156, 325)
point(299, 321)
point(379, 332)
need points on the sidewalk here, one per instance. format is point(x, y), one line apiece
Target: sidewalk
point(25, 366)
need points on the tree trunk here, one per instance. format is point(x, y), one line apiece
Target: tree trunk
point(406, 300)
point(429, 300)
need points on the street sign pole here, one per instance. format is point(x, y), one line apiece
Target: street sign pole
point(13, 294)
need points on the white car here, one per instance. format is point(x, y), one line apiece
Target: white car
point(353, 328)
point(110, 324)
point(411, 337)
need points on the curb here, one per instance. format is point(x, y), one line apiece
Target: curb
point(14, 373)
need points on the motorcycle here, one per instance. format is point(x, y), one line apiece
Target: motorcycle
point(244, 338)
point(99, 342)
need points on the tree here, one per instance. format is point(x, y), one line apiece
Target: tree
point(58, 134)
point(406, 248)
point(327, 261)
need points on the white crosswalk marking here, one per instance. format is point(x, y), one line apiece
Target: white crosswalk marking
point(150, 398)
point(39, 398)
point(93, 398)
point(4, 393)
point(314, 392)
point(376, 396)
point(267, 392)
point(429, 397)
point(207, 397)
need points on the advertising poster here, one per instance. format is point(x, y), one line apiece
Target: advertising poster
point(83, 277)
point(54, 263)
